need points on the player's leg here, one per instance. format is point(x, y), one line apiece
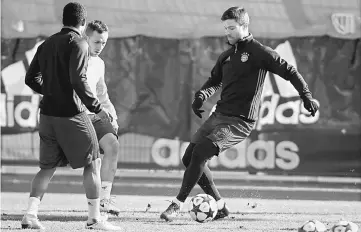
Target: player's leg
point(110, 145)
point(207, 184)
point(51, 156)
point(108, 142)
point(206, 181)
point(78, 140)
point(228, 132)
point(202, 152)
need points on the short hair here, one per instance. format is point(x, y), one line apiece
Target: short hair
point(96, 25)
point(239, 14)
point(74, 14)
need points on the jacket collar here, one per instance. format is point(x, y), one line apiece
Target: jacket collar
point(243, 41)
point(71, 29)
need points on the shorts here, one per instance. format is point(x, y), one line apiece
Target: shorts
point(70, 140)
point(224, 131)
point(102, 127)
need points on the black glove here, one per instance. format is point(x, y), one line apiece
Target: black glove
point(196, 105)
point(311, 105)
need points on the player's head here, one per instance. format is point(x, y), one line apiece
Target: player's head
point(97, 36)
point(235, 21)
point(74, 15)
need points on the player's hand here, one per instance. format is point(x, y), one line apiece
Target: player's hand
point(196, 106)
point(115, 125)
point(105, 115)
point(311, 105)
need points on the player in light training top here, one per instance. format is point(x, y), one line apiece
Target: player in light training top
point(240, 72)
point(97, 35)
point(58, 72)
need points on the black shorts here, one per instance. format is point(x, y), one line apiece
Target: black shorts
point(102, 127)
point(67, 140)
point(225, 131)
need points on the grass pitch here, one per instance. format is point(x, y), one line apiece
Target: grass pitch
point(67, 212)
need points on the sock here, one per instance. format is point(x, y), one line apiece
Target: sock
point(220, 203)
point(33, 206)
point(105, 190)
point(93, 209)
point(207, 184)
point(202, 152)
point(178, 202)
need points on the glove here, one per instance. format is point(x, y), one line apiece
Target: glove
point(311, 105)
point(196, 105)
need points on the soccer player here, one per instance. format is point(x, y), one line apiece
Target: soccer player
point(58, 72)
point(97, 36)
point(240, 72)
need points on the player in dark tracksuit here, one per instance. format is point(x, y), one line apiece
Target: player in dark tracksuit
point(58, 72)
point(240, 73)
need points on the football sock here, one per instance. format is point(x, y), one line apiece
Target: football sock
point(207, 184)
point(105, 190)
point(220, 203)
point(201, 153)
point(93, 208)
point(206, 181)
point(33, 206)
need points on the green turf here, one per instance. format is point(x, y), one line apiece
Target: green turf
point(67, 212)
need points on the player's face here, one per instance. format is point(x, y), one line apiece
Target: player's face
point(234, 31)
point(97, 42)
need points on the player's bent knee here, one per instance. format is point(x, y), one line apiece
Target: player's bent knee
point(188, 154)
point(109, 144)
point(204, 150)
point(97, 163)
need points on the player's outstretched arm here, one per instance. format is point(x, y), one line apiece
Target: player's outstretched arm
point(33, 77)
point(273, 62)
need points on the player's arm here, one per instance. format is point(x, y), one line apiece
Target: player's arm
point(33, 77)
point(212, 85)
point(78, 64)
point(103, 96)
point(209, 88)
point(273, 62)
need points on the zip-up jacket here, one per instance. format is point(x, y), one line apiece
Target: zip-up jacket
point(58, 72)
point(240, 72)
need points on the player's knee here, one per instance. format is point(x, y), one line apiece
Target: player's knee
point(204, 151)
point(188, 154)
point(111, 146)
point(94, 166)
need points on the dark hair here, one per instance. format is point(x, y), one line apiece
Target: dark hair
point(96, 25)
point(74, 14)
point(239, 14)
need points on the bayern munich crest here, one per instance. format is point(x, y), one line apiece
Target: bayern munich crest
point(244, 56)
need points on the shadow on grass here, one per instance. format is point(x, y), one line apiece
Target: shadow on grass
point(59, 218)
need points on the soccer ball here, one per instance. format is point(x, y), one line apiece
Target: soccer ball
point(344, 226)
point(202, 208)
point(312, 226)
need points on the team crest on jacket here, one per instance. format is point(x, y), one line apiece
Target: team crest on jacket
point(244, 56)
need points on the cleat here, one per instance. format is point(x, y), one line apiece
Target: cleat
point(222, 213)
point(108, 206)
point(31, 222)
point(102, 224)
point(171, 212)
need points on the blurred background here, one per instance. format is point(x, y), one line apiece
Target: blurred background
point(160, 52)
